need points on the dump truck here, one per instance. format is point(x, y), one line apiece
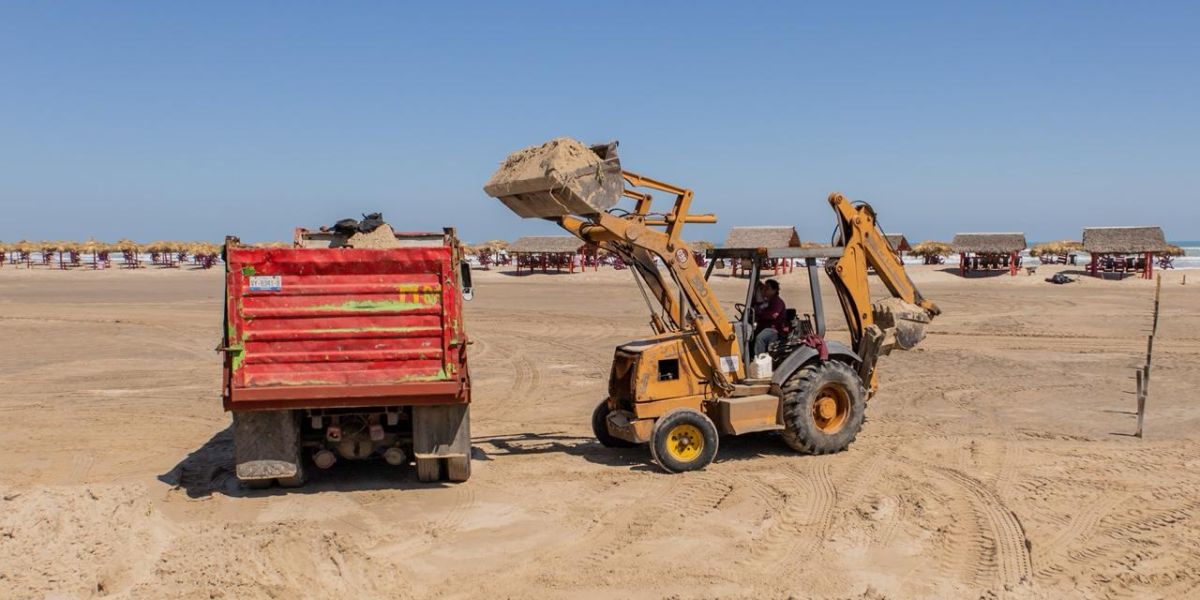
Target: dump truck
point(332, 351)
point(678, 390)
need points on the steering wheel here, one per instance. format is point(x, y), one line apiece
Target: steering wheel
point(741, 310)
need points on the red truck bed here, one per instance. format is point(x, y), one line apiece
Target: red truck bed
point(340, 327)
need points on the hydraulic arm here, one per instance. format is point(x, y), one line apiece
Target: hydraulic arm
point(688, 304)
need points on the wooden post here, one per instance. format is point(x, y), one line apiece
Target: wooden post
point(1157, 296)
point(1141, 402)
point(1143, 374)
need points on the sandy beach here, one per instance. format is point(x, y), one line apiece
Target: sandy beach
point(996, 461)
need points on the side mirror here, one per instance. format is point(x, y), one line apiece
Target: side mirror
point(468, 291)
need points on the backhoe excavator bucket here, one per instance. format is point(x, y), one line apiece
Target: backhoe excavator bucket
point(559, 178)
point(903, 323)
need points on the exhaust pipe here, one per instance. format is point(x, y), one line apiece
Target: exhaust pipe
point(324, 459)
point(395, 456)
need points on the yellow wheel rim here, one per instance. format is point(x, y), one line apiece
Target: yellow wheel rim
point(685, 442)
point(831, 408)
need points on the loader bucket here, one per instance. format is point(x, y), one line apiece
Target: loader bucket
point(561, 177)
point(903, 324)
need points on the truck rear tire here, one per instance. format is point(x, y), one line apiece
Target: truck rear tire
point(296, 480)
point(429, 470)
point(458, 468)
point(823, 407)
point(266, 447)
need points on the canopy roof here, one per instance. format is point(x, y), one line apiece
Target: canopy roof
point(898, 242)
point(1123, 240)
point(988, 243)
point(769, 236)
point(549, 244)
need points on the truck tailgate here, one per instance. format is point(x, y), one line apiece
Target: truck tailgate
point(328, 327)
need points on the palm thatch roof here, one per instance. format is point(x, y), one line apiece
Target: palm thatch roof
point(701, 245)
point(546, 244)
point(932, 248)
point(898, 242)
point(1123, 240)
point(770, 236)
point(1060, 247)
point(1173, 250)
point(988, 243)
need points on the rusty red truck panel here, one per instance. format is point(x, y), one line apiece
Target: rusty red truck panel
point(340, 327)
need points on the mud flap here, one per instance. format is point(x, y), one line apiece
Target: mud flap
point(266, 444)
point(442, 431)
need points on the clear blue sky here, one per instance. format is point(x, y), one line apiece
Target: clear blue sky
point(156, 120)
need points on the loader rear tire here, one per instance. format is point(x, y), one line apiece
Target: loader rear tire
point(600, 428)
point(683, 440)
point(823, 407)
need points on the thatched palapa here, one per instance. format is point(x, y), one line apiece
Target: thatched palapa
point(771, 236)
point(988, 243)
point(933, 248)
point(898, 242)
point(1059, 248)
point(1124, 240)
point(546, 244)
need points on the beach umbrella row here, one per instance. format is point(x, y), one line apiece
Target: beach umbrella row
point(69, 252)
point(1059, 248)
point(932, 248)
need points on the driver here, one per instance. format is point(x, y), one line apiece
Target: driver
point(769, 321)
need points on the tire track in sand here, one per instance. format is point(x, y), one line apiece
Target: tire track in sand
point(1080, 528)
point(800, 525)
point(1010, 551)
point(688, 496)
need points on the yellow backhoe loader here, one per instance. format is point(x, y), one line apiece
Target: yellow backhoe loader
point(679, 389)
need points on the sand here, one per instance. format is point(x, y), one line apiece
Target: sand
point(563, 154)
point(382, 237)
point(995, 463)
point(554, 179)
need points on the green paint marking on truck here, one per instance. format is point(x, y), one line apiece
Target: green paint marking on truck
point(370, 306)
point(365, 330)
point(248, 271)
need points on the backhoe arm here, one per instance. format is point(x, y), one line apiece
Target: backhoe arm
point(871, 326)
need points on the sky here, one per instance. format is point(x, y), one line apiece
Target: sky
point(168, 120)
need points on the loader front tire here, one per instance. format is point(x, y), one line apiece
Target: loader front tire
point(823, 407)
point(600, 428)
point(683, 440)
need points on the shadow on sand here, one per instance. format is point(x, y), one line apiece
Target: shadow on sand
point(209, 470)
point(732, 448)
